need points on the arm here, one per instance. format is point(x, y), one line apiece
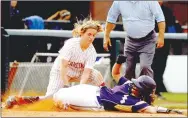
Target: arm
point(108, 28)
point(63, 71)
point(148, 109)
point(159, 17)
point(116, 74)
point(116, 70)
point(158, 109)
point(53, 16)
point(112, 17)
point(65, 54)
point(160, 41)
point(85, 76)
point(88, 66)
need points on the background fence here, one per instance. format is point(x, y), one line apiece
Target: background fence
point(23, 44)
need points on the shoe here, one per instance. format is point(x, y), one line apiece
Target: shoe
point(10, 102)
point(160, 97)
point(15, 100)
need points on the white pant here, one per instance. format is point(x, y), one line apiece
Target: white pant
point(55, 82)
point(82, 97)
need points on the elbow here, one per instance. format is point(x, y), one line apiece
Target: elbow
point(116, 70)
point(115, 73)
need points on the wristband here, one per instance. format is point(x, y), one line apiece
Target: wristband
point(121, 59)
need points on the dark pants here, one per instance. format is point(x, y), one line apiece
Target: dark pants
point(159, 65)
point(145, 50)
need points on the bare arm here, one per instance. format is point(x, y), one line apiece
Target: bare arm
point(116, 74)
point(85, 76)
point(63, 72)
point(116, 70)
point(149, 109)
point(160, 41)
point(53, 16)
point(108, 28)
point(158, 109)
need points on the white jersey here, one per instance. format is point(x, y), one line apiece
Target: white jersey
point(77, 58)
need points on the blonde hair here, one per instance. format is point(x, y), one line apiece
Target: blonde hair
point(87, 23)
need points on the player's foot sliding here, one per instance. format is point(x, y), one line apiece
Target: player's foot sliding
point(16, 100)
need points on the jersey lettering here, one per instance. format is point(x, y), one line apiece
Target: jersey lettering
point(76, 65)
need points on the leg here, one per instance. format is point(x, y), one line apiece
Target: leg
point(20, 100)
point(130, 65)
point(145, 64)
point(130, 49)
point(147, 52)
point(81, 97)
point(55, 83)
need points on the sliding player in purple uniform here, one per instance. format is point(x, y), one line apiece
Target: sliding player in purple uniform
point(134, 95)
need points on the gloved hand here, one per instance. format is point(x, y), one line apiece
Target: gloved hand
point(173, 111)
point(121, 59)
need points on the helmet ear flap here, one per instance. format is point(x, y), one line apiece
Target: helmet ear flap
point(145, 84)
point(133, 90)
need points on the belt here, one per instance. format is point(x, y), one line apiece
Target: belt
point(143, 38)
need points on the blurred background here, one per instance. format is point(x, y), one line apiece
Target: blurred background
point(18, 50)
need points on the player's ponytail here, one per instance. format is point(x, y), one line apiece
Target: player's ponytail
point(76, 30)
point(82, 26)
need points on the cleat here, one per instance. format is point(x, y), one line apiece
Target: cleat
point(15, 100)
point(10, 102)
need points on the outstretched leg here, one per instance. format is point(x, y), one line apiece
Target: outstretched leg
point(20, 100)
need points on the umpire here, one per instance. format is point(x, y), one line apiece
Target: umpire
point(139, 22)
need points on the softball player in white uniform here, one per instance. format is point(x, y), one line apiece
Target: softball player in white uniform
point(76, 59)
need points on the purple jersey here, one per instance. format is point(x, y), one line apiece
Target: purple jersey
point(120, 95)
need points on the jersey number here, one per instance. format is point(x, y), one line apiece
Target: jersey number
point(123, 99)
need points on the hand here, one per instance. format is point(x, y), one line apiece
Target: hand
point(160, 42)
point(106, 43)
point(174, 111)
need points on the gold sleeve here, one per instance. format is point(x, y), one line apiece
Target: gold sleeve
point(124, 108)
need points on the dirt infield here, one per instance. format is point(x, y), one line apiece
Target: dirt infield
point(13, 113)
point(47, 109)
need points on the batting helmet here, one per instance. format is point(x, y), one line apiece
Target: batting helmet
point(144, 83)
